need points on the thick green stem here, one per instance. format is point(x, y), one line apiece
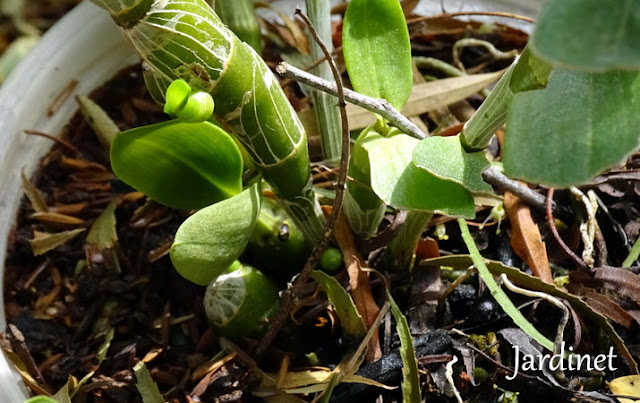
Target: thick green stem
point(240, 17)
point(526, 74)
point(185, 39)
point(324, 105)
point(401, 251)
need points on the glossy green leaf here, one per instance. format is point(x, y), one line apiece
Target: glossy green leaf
point(176, 96)
point(589, 34)
point(199, 108)
point(41, 399)
point(410, 375)
point(580, 125)
point(181, 165)
point(377, 50)
point(401, 184)
point(350, 319)
point(445, 158)
point(213, 238)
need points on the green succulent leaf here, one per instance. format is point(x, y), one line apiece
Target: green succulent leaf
point(445, 158)
point(589, 34)
point(401, 184)
point(181, 165)
point(377, 50)
point(209, 241)
point(177, 96)
point(580, 125)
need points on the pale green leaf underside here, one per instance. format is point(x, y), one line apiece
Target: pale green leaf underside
point(410, 375)
point(214, 237)
point(589, 34)
point(401, 184)
point(445, 158)
point(145, 384)
point(377, 50)
point(580, 125)
point(350, 319)
point(181, 165)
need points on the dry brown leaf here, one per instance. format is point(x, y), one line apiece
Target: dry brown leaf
point(79, 164)
point(620, 280)
point(359, 283)
point(525, 238)
point(428, 96)
point(43, 242)
point(56, 218)
point(603, 304)
point(33, 194)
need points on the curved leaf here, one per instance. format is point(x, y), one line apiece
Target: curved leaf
point(445, 158)
point(411, 392)
point(352, 323)
point(377, 50)
point(181, 165)
point(580, 125)
point(401, 184)
point(213, 238)
point(589, 34)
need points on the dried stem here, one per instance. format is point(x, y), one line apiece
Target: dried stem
point(289, 295)
point(466, 13)
point(556, 236)
point(379, 106)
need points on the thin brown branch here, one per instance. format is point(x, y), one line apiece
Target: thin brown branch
point(289, 295)
point(379, 106)
point(467, 13)
point(579, 262)
point(531, 197)
point(60, 141)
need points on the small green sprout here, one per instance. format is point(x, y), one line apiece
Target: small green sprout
point(186, 105)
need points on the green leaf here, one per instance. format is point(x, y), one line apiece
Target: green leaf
point(181, 165)
point(580, 125)
point(401, 184)
point(176, 97)
point(589, 34)
point(103, 231)
point(410, 376)
point(41, 399)
point(351, 320)
point(214, 237)
point(145, 384)
point(103, 126)
point(377, 50)
point(497, 293)
point(445, 158)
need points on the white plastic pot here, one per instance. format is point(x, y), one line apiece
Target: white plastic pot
point(87, 47)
